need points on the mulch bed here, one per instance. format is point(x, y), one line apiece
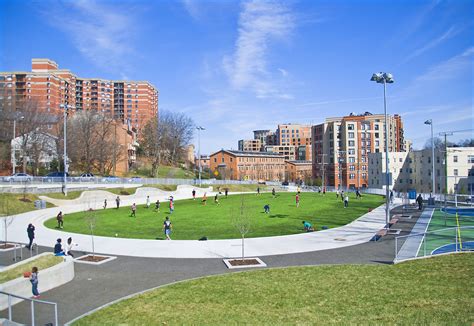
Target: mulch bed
point(94, 259)
point(6, 246)
point(240, 262)
point(124, 193)
point(25, 200)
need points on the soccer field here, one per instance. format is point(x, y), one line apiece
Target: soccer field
point(191, 220)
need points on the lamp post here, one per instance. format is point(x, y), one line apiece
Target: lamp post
point(199, 128)
point(385, 78)
point(65, 107)
point(19, 117)
point(430, 122)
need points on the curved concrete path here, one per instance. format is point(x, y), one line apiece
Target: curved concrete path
point(357, 232)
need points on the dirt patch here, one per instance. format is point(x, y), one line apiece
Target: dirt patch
point(124, 193)
point(4, 246)
point(93, 259)
point(240, 262)
point(25, 200)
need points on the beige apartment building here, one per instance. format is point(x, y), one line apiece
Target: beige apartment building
point(257, 166)
point(340, 147)
point(412, 170)
point(132, 102)
point(251, 145)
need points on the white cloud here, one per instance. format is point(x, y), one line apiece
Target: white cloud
point(283, 72)
point(450, 33)
point(459, 64)
point(260, 22)
point(102, 33)
point(192, 7)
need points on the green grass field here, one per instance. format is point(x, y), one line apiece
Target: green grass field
point(420, 292)
point(191, 220)
point(441, 221)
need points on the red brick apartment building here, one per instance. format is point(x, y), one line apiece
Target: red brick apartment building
point(341, 147)
point(132, 102)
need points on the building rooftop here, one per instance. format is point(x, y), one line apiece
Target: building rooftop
point(299, 162)
point(242, 153)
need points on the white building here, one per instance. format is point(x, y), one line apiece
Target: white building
point(34, 148)
point(412, 170)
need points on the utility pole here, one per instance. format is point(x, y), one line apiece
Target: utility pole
point(65, 107)
point(199, 128)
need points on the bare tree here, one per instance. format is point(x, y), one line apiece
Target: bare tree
point(151, 144)
point(241, 220)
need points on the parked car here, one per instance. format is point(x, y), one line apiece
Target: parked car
point(110, 178)
point(135, 179)
point(285, 183)
point(55, 176)
point(19, 177)
point(86, 177)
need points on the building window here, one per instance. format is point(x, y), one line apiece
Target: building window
point(376, 127)
point(351, 135)
point(470, 159)
point(350, 127)
point(455, 158)
point(352, 176)
point(456, 172)
point(376, 135)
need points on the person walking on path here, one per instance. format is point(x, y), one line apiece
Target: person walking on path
point(216, 199)
point(60, 219)
point(346, 201)
point(105, 203)
point(297, 199)
point(171, 206)
point(34, 282)
point(167, 228)
point(134, 210)
point(226, 192)
point(148, 202)
point(273, 193)
point(157, 206)
point(58, 248)
point(31, 234)
point(419, 201)
point(194, 194)
point(391, 196)
point(69, 247)
point(204, 199)
point(117, 202)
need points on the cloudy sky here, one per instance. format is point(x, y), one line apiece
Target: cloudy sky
point(236, 66)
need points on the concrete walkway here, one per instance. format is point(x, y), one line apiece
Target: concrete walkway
point(357, 232)
point(413, 241)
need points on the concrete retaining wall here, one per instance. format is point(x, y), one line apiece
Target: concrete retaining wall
point(49, 278)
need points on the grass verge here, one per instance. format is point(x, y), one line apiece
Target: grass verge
point(191, 220)
point(11, 204)
point(42, 262)
point(421, 293)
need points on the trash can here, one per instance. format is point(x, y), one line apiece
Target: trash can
point(43, 204)
point(37, 204)
point(431, 201)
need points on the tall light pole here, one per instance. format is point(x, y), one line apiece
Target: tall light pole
point(385, 78)
point(65, 107)
point(199, 128)
point(430, 122)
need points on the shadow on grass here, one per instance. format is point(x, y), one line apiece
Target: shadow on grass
point(278, 216)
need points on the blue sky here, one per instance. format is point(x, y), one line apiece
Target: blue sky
point(236, 66)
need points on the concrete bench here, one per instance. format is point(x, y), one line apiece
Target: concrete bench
point(379, 235)
point(392, 222)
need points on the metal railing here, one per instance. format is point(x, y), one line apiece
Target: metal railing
point(32, 307)
point(453, 239)
point(19, 246)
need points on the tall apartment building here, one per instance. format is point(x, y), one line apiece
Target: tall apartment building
point(340, 147)
point(132, 102)
point(251, 145)
point(237, 165)
point(412, 170)
point(266, 137)
point(293, 134)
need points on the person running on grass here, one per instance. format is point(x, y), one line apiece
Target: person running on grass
point(167, 228)
point(308, 227)
point(117, 202)
point(134, 210)
point(337, 193)
point(266, 208)
point(148, 202)
point(258, 191)
point(194, 194)
point(157, 206)
point(171, 206)
point(226, 192)
point(34, 282)
point(216, 199)
point(204, 199)
point(297, 199)
point(346, 201)
point(105, 203)
point(60, 219)
point(342, 195)
point(273, 193)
